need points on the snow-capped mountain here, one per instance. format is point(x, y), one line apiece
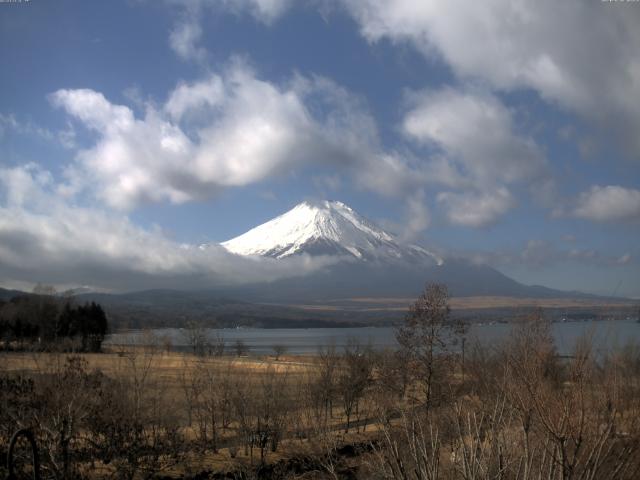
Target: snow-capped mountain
point(377, 263)
point(326, 228)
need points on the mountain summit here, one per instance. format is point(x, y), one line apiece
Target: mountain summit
point(377, 264)
point(325, 228)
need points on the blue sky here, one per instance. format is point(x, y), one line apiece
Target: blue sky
point(506, 132)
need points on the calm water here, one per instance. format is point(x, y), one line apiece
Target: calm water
point(606, 335)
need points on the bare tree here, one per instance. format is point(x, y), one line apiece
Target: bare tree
point(219, 345)
point(569, 413)
point(211, 403)
point(240, 348)
point(167, 343)
point(393, 373)
point(324, 388)
point(353, 379)
point(211, 387)
point(271, 412)
point(426, 338)
point(65, 406)
point(196, 337)
point(410, 449)
point(190, 389)
point(242, 400)
point(278, 351)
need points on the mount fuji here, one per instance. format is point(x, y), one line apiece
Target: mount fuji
point(369, 260)
point(326, 228)
point(366, 275)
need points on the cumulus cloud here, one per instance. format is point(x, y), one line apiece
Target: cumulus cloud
point(195, 97)
point(25, 184)
point(265, 11)
point(184, 39)
point(480, 147)
point(133, 158)
point(327, 183)
point(418, 216)
point(186, 34)
point(229, 129)
point(9, 123)
point(477, 135)
point(233, 129)
point(608, 204)
point(472, 209)
point(479, 152)
point(582, 56)
point(45, 237)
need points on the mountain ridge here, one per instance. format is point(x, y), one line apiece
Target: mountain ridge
point(378, 263)
point(372, 263)
point(325, 228)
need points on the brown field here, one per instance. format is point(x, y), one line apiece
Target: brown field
point(163, 376)
point(375, 304)
point(167, 365)
point(148, 412)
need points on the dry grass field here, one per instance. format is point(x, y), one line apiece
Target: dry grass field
point(514, 302)
point(166, 365)
point(183, 388)
point(516, 410)
point(400, 304)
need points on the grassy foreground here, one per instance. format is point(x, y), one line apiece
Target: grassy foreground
point(512, 411)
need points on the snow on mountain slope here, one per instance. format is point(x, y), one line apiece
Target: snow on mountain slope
point(324, 228)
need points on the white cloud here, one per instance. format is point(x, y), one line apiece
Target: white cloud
point(10, 124)
point(67, 137)
point(25, 184)
point(133, 158)
point(330, 183)
point(44, 237)
point(496, 46)
point(583, 56)
point(418, 216)
point(184, 39)
point(265, 11)
point(234, 129)
point(471, 209)
point(476, 133)
point(228, 130)
point(390, 174)
point(479, 152)
point(186, 34)
point(94, 110)
point(608, 203)
point(198, 96)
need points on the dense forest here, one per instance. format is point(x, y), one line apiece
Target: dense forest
point(48, 321)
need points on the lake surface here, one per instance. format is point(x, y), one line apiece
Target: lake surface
point(307, 341)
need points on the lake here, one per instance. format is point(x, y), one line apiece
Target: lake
point(306, 341)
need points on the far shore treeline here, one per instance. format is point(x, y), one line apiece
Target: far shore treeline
point(49, 321)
